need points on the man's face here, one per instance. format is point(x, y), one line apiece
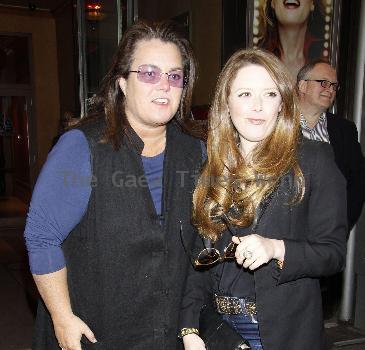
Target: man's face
point(313, 93)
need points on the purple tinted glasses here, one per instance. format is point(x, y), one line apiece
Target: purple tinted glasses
point(152, 75)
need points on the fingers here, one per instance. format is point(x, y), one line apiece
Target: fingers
point(247, 257)
point(89, 334)
point(253, 251)
point(245, 249)
point(236, 239)
point(254, 262)
point(69, 333)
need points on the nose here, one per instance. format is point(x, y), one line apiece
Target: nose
point(164, 84)
point(257, 104)
point(331, 90)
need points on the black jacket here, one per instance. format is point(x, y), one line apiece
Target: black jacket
point(126, 271)
point(314, 232)
point(351, 162)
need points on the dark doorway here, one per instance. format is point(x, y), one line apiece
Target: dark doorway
point(14, 148)
point(15, 124)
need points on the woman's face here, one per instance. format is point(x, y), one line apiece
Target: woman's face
point(254, 103)
point(152, 104)
point(292, 12)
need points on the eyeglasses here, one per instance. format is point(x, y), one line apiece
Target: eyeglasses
point(326, 84)
point(210, 255)
point(152, 75)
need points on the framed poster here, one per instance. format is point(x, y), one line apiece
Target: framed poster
point(297, 31)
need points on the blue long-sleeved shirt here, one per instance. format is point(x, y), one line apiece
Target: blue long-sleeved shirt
point(61, 196)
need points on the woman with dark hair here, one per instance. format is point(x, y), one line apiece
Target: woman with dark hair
point(103, 226)
point(269, 189)
point(293, 30)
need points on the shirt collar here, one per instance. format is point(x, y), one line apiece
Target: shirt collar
point(303, 121)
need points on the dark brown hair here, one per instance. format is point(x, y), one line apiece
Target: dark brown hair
point(108, 103)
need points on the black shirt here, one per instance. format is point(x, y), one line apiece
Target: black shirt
point(229, 278)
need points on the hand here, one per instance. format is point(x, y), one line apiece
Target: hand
point(254, 250)
point(193, 342)
point(69, 331)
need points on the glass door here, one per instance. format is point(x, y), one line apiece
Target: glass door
point(14, 147)
point(17, 127)
point(100, 25)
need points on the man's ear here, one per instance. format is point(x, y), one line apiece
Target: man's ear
point(302, 86)
point(122, 84)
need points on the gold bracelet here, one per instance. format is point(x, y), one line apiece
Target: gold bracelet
point(280, 264)
point(186, 331)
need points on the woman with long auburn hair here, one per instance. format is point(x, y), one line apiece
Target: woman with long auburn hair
point(263, 202)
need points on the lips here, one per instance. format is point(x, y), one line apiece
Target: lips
point(326, 96)
point(161, 101)
point(255, 121)
point(291, 4)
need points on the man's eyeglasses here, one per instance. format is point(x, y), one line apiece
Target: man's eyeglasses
point(210, 255)
point(326, 84)
point(152, 75)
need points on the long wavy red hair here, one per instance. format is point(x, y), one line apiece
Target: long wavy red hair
point(229, 185)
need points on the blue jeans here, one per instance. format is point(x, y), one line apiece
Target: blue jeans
point(247, 327)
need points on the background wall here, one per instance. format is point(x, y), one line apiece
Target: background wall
point(161, 9)
point(206, 38)
point(67, 57)
point(46, 105)
point(205, 34)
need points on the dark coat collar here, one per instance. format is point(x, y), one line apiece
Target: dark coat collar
point(132, 140)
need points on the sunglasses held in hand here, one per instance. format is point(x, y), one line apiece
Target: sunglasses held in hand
point(210, 255)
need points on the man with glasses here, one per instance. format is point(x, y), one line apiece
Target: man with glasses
point(317, 86)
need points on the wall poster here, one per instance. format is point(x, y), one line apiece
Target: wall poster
point(297, 31)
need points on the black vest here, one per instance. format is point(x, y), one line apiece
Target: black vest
point(126, 265)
